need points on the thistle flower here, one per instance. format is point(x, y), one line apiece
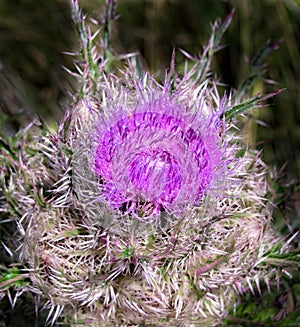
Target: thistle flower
point(143, 208)
point(153, 155)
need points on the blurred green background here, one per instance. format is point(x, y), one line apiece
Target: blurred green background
point(34, 34)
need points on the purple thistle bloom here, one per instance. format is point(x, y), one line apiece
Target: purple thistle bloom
point(157, 154)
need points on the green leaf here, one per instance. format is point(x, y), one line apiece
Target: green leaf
point(281, 258)
point(12, 277)
point(240, 108)
point(256, 102)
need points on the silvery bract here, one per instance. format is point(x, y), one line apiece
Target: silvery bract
point(143, 207)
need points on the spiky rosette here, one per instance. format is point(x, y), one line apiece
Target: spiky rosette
point(141, 208)
point(190, 274)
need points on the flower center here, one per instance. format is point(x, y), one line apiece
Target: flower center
point(155, 174)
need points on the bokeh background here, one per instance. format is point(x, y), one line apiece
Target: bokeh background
point(35, 34)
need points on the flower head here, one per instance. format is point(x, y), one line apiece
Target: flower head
point(156, 154)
